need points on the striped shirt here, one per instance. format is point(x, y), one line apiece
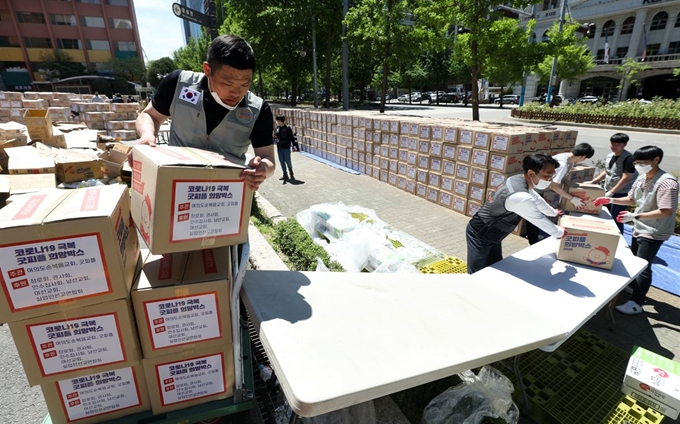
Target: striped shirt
point(666, 195)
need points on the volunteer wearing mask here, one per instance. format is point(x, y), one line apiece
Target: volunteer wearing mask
point(501, 212)
point(619, 173)
point(655, 194)
point(215, 110)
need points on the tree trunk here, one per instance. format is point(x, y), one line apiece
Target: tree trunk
point(293, 95)
point(327, 85)
point(500, 100)
point(261, 83)
point(474, 73)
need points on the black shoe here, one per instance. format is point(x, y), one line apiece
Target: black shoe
point(292, 177)
point(284, 178)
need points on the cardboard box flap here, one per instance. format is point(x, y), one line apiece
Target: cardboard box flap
point(28, 183)
point(89, 202)
point(12, 126)
point(24, 152)
point(184, 156)
point(604, 226)
point(208, 265)
point(27, 163)
point(31, 209)
point(161, 271)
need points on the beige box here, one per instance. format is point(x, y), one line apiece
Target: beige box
point(589, 241)
point(434, 179)
point(465, 136)
point(4, 189)
point(496, 179)
point(89, 398)
point(90, 242)
point(432, 194)
point(187, 199)
point(414, 129)
point(530, 142)
point(508, 142)
point(472, 208)
point(451, 135)
point(112, 162)
point(445, 199)
point(545, 139)
point(653, 380)
point(448, 167)
point(588, 193)
point(446, 184)
point(461, 188)
point(35, 165)
point(401, 182)
point(436, 164)
point(56, 347)
point(58, 139)
point(463, 172)
point(482, 139)
point(38, 123)
point(403, 156)
point(394, 166)
point(29, 183)
point(437, 133)
point(424, 147)
point(183, 299)
point(421, 190)
point(394, 153)
point(449, 151)
point(402, 168)
point(422, 176)
point(551, 198)
point(459, 204)
point(392, 179)
point(384, 163)
point(480, 158)
point(423, 162)
point(477, 193)
point(425, 131)
point(436, 149)
point(506, 164)
point(76, 166)
point(191, 377)
point(579, 174)
point(464, 155)
point(412, 158)
point(411, 186)
point(479, 176)
point(384, 175)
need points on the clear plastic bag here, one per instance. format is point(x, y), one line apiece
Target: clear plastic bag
point(488, 394)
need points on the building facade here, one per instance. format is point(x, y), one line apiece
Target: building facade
point(91, 32)
point(647, 31)
point(191, 29)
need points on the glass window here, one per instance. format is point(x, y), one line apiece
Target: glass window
point(92, 21)
point(35, 42)
point(677, 21)
point(63, 20)
point(628, 25)
point(659, 21)
point(600, 55)
point(5, 16)
point(674, 47)
point(31, 17)
point(117, 2)
point(549, 4)
point(621, 52)
point(98, 45)
point(608, 28)
point(653, 49)
point(120, 23)
point(126, 46)
point(8, 41)
point(545, 37)
point(69, 43)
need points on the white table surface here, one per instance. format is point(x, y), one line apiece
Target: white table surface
point(570, 293)
point(339, 339)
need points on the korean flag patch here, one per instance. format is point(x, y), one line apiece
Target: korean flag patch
point(189, 95)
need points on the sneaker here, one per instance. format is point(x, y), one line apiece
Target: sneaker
point(284, 178)
point(629, 308)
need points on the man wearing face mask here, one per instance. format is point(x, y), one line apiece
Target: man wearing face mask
point(655, 194)
point(619, 173)
point(501, 212)
point(215, 110)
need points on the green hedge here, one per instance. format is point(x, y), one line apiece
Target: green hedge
point(298, 246)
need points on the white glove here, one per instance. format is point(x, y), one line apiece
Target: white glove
point(609, 194)
point(577, 202)
point(625, 217)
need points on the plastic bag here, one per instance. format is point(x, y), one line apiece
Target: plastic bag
point(363, 413)
point(320, 266)
point(488, 394)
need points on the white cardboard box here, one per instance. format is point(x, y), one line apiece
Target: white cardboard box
point(654, 381)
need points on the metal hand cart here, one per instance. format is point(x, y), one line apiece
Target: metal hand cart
point(242, 400)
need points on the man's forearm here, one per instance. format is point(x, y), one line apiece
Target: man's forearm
point(146, 125)
point(622, 183)
point(270, 165)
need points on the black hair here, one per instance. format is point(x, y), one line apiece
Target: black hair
point(583, 149)
point(648, 153)
point(538, 161)
point(619, 138)
point(281, 118)
point(232, 51)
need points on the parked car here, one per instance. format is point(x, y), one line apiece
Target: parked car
point(403, 98)
point(378, 97)
point(588, 99)
point(448, 98)
point(508, 99)
point(558, 98)
point(416, 96)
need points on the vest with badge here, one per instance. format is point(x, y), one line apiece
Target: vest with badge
point(615, 172)
point(493, 212)
point(662, 228)
point(231, 138)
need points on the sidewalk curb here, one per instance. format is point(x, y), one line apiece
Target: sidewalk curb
point(584, 125)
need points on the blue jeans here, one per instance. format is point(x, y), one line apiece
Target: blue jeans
point(284, 160)
point(646, 249)
point(616, 209)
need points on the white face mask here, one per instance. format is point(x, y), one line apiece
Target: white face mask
point(219, 101)
point(541, 184)
point(643, 169)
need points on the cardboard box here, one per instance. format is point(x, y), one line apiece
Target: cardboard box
point(552, 198)
point(445, 199)
point(464, 155)
point(401, 182)
point(449, 151)
point(589, 241)
point(188, 199)
point(421, 190)
point(654, 381)
point(434, 179)
point(579, 174)
point(35, 165)
point(30, 183)
point(479, 176)
point(465, 137)
point(424, 147)
point(432, 194)
point(112, 162)
point(482, 139)
point(446, 184)
point(58, 139)
point(191, 377)
point(436, 149)
point(39, 124)
point(460, 188)
point(183, 299)
point(508, 142)
point(451, 135)
point(472, 208)
point(63, 249)
point(422, 176)
point(496, 179)
point(4, 189)
point(423, 162)
point(384, 175)
point(506, 164)
point(588, 193)
point(459, 204)
point(480, 158)
point(9, 144)
point(448, 167)
point(477, 193)
point(91, 398)
point(463, 172)
point(411, 186)
point(435, 164)
point(73, 165)
point(56, 347)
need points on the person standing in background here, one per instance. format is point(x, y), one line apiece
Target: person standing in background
point(285, 138)
point(655, 194)
point(618, 175)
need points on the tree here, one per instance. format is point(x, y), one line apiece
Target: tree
point(436, 66)
point(157, 69)
point(413, 75)
point(131, 68)
point(192, 56)
point(628, 70)
point(59, 64)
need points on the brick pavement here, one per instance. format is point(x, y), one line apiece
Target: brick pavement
point(658, 329)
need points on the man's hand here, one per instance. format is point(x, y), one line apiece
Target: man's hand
point(560, 212)
point(625, 216)
point(600, 201)
point(150, 140)
point(256, 173)
point(577, 202)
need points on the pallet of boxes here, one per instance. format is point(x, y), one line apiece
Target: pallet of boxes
point(108, 329)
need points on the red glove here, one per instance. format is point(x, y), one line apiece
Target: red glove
point(603, 201)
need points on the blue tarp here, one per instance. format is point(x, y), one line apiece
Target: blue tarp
point(666, 265)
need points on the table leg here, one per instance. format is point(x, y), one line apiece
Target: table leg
point(520, 383)
point(610, 310)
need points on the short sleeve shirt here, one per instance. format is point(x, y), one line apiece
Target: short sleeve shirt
point(261, 136)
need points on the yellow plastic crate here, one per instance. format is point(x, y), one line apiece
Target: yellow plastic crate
point(448, 265)
point(632, 412)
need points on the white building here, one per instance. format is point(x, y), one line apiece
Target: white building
point(624, 25)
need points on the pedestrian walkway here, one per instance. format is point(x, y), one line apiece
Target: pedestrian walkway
point(658, 329)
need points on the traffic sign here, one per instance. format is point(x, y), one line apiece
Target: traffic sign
point(191, 15)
